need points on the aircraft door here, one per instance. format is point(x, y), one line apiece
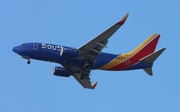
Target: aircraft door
point(35, 46)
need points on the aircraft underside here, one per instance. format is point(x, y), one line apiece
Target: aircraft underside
point(78, 62)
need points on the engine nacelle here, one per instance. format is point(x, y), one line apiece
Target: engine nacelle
point(69, 52)
point(59, 71)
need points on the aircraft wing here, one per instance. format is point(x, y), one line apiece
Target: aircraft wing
point(95, 46)
point(86, 83)
point(90, 50)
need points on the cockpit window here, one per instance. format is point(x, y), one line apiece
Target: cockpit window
point(24, 44)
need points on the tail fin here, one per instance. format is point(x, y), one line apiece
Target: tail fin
point(146, 48)
point(145, 52)
point(150, 59)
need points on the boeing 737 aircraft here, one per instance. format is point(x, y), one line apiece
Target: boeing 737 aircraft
point(78, 62)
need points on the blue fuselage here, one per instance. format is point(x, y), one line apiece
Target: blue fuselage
point(52, 53)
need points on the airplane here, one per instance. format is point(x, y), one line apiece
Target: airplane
point(78, 62)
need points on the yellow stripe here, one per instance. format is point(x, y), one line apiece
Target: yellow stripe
point(121, 58)
point(143, 44)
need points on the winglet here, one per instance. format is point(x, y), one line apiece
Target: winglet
point(94, 85)
point(123, 20)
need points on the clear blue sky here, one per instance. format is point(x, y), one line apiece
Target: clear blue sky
point(33, 88)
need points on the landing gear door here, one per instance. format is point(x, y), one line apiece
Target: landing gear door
point(35, 46)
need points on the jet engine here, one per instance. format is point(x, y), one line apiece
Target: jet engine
point(69, 52)
point(59, 71)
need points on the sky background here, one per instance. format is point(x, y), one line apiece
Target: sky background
point(33, 88)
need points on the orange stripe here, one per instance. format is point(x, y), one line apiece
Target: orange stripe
point(121, 58)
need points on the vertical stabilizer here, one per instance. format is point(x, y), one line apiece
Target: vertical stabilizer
point(146, 48)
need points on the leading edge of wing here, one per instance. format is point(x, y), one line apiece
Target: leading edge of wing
point(103, 36)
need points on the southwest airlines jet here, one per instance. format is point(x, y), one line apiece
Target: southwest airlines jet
point(78, 62)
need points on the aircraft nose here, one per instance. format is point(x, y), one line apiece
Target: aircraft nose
point(15, 49)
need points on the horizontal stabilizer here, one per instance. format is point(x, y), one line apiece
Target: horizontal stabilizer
point(148, 71)
point(152, 57)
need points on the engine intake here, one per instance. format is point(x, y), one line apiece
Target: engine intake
point(59, 71)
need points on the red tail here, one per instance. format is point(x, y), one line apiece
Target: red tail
point(146, 48)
